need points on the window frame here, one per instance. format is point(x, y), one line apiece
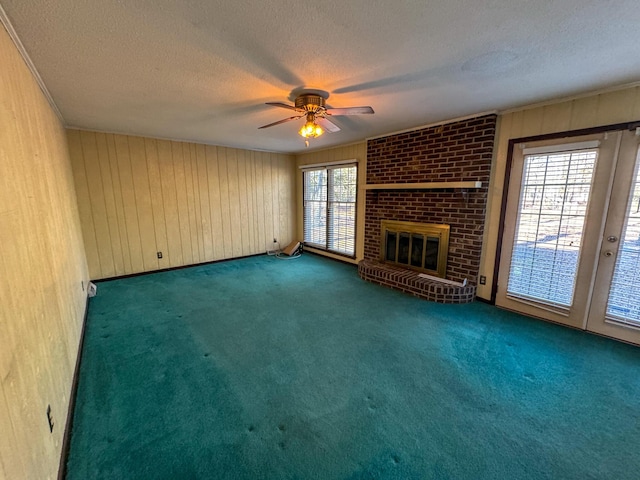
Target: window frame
point(328, 168)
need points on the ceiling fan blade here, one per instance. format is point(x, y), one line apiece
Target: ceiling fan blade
point(350, 111)
point(328, 125)
point(281, 121)
point(283, 105)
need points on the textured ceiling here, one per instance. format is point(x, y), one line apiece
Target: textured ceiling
point(201, 70)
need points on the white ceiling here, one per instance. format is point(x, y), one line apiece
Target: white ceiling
point(201, 70)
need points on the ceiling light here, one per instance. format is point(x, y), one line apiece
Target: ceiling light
point(311, 129)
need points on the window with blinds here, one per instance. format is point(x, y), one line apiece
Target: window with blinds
point(330, 208)
point(549, 227)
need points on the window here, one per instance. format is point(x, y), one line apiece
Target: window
point(330, 208)
point(549, 229)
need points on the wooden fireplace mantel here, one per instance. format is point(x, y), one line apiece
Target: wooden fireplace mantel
point(422, 186)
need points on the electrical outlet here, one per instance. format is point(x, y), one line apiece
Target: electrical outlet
point(483, 280)
point(50, 418)
point(159, 254)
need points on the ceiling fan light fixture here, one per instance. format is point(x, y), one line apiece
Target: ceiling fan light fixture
point(311, 129)
point(313, 106)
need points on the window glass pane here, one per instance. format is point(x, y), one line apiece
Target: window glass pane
point(553, 205)
point(315, 208)
point(342, 209)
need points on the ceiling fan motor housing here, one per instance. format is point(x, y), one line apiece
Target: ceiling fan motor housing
point(310, 103)
point(313, 107)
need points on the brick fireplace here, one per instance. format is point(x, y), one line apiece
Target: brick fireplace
point(454, 152)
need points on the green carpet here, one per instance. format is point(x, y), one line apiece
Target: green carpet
point(261, 368)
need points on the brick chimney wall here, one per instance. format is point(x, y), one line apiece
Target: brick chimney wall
point(458, 151)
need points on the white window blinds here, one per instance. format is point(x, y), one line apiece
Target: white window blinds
point(330, 208)
point(553, 205)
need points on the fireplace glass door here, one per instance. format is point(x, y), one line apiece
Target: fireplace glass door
point(418, 246)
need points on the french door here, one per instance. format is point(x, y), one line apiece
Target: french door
point(571, 242)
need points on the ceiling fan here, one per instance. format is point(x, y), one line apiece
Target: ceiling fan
point(313, 107)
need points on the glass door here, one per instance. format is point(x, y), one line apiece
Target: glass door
point(571, 243)
point(557, 200)
point(615, 308)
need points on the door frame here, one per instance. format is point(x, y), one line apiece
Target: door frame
point(567, 134)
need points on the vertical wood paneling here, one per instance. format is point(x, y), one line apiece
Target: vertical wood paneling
point(9, 442)
point(129, 204)
point(205, 205)
point(359, 151)
point(517, 120)
point(13, 385)
point(261, 200)
point(223, 184)
point(215, 205)
point(592, 111)
point(636, 104)
point(97, 201)
point(584, 112)
point(275, 181)
point(556, 117)
point(286, 184)
point(110, 204)
point(234, 201)
point(194, 203)
point(170, 203)
point(43, 264)
point(250, 194)
point(84, 202)
point(245, 244)
point(157, 202)
point(183, 206)
point(252, 191)
point(119, 203)
point(616, 107)
point(142, 194)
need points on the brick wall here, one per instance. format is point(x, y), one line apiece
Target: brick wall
point(459, 151)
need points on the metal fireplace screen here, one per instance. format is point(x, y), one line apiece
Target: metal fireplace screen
point(419, 246)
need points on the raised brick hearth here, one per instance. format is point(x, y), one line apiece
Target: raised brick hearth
point(408, 281)
point(454, 152)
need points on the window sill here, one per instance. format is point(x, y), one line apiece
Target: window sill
point(330, 254)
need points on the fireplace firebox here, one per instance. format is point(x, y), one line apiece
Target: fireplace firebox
point(418, 246)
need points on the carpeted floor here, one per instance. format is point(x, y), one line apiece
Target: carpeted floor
point(261, 368)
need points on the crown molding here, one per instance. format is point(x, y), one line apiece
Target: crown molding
point(174, 139)
point(4, 19)
point(436, 124)
point(571, 98)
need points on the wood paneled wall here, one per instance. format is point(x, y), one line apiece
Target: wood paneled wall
point(42, 274)
point(590, 111)
point(356, 151)
point(194, 203)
